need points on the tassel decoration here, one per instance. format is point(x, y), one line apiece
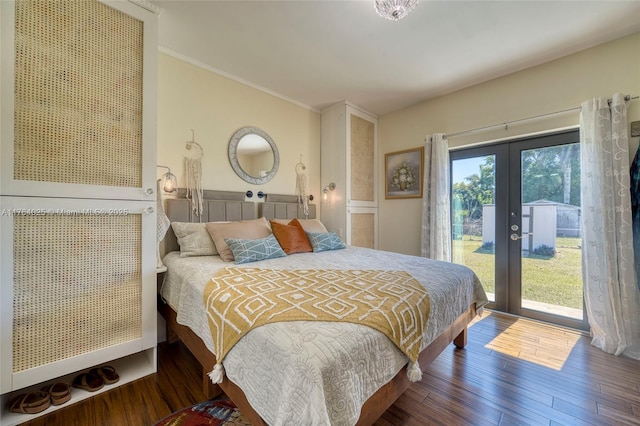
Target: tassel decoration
point(217, 375)
point(413, 372)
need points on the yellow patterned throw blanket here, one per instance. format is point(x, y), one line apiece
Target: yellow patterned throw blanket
point(392, 302)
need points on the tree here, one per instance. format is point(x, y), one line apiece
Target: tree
point(551, 173)
point(476, 190)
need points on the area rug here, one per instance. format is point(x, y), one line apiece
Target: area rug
point(216, 412)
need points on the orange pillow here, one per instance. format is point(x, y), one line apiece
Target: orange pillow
point(291, 237)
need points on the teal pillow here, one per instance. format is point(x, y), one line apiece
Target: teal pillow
point(323, 241)
point(245, 251)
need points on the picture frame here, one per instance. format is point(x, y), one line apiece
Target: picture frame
point(403, 173)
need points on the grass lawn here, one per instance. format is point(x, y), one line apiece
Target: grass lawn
point(555, 280)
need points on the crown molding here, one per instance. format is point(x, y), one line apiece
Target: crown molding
point(200, 64)
point(148, 6)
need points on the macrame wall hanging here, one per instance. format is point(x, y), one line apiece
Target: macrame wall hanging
point(301, 187)
point(193, 174)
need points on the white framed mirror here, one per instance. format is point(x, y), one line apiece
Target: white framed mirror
point(253, 155)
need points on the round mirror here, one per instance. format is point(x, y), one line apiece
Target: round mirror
point(253, 155)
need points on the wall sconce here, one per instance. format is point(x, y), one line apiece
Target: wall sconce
point(169, 181)
point(326, 189)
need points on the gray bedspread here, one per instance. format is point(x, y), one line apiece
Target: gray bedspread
point(317, 373)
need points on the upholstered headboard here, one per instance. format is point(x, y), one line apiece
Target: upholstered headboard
point(216, 206)
point(228, 206)
point(284, 207)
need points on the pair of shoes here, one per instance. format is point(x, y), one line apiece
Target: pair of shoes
point(107, 373)
point(96, 378)
point(59, 392)
point(30, 403)
point(88, 381)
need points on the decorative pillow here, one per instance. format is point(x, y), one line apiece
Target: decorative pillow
point(243, 229)
point(309, 225)
point(292, 237)
point(323, 241)
point(194, 240)
point(245, 251)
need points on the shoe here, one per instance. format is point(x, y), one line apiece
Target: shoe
point(59, 393)
point(107, 373)
point(88, 381)
point(30, 403)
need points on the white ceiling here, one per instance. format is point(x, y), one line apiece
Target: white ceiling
point(317, 53)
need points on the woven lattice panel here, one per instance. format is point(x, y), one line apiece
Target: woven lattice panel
point(363, 230)
point(77, 285)
point(362, 159)
point(78, 88)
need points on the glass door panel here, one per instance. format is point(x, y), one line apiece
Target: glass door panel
point(474, 217)
point(550, 235)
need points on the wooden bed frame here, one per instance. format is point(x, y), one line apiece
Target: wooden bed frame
point(373, 408)
point(218, 209)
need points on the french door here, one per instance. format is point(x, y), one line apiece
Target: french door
point(516, 223)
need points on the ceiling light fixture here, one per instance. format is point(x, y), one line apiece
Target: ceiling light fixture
point(395, 10)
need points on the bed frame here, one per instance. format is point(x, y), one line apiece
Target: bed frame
point(231, 206)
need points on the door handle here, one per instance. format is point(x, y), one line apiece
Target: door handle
point(516, 237)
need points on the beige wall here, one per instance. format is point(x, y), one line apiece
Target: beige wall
point(191, 97)
point(554, 86)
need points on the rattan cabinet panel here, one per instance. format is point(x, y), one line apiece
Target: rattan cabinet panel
point(78, 100)
point(77, 77)
point(77, 191)
point(77, 285)
point(362, 221)
point(350, 160)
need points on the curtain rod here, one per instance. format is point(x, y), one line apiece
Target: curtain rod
point(506, 123)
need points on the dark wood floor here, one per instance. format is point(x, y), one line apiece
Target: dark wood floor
point(512, 372)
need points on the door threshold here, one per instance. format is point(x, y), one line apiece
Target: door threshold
point(566, 327)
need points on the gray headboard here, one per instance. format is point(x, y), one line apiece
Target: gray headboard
point(216, 206)
point(227, 206)
point(284, 207)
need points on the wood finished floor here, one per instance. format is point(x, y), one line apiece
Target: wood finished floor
point(512, 372)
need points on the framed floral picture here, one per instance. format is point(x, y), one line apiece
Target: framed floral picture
point(403, 173)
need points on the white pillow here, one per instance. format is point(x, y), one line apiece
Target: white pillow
point(194, 240)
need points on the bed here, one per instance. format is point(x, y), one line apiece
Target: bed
point(309, 372)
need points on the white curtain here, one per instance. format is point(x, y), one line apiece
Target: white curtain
point(611, 296)
point(436, 201)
